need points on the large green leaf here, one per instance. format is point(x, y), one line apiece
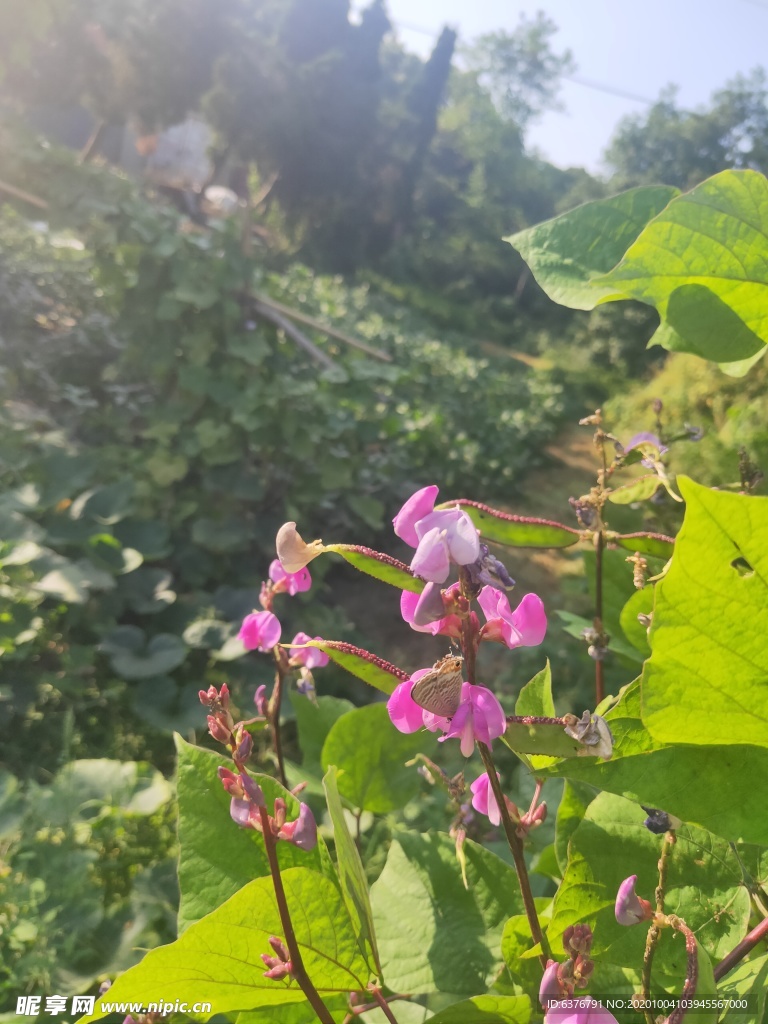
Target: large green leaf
point(706, 681)
point(314, 720)
point(568, 253)
point(371, 756)
point(485, 1010)
point(748, 980)
point(225, 947)
point(133, 658)
point(704, 883)
point(296, 1013)
point(366, 666)
point(706, 786)
point(702, 264)
point(210, 872)
point(573, 804)
point(515, 531)
point(535, 698)
point(433, 934)
point(354, 884)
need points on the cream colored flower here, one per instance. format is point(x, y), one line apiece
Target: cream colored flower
point(294, 553)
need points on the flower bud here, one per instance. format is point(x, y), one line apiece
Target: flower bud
point(218, 730)
point(244, 745)
point(244, 813)
point(260, 700)
point(550, 990)
point(277, 968)
point(280, 948)
point(292, 551)
point(631, 908)
point(231, 783)
point(577, 939)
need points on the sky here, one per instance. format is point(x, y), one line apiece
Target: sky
point(636, 48)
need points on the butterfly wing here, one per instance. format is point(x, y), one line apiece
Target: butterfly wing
point(439, 691)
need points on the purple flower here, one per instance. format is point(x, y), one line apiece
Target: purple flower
point(523, 627)
point(479, 717)
point(308, 657)
point(291, 582)
point(645, 437)
point(303, 831)
point(631, 908)
point(483, 799)
point(244, 813)
point(260, 631)
point(440, 537)
point(423, 613)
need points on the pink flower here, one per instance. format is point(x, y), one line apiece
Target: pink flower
point(308, 657)
point(405, 713)
point(291, 582)
point(440, 537)
point(631, 908)
point(260, 631)
point(417, 610)
point(479, 717)
point(552, 992)
point(523, 627)
point(483, 799)
point(303, 831)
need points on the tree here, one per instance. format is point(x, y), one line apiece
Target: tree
point(679, 147)
point(519, 69)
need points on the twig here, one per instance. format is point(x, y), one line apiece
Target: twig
point(303, 318)
point(654, 931)
point(738, 953)
point(93, 140)
point(599, 678)
point(518, 856)
point(298, 969)
point(267, 313)
point(26, 197)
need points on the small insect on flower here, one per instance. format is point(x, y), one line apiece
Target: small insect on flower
point(439, 691)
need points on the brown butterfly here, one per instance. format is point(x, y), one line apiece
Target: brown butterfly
point(439, 691)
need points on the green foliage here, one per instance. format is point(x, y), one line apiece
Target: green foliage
point(87, 874)
point(698, 261)
point(458, 929)
point(683, 147)
point(371, 761)
point(704, 661)
point(233, 936)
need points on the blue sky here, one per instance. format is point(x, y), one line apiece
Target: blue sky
point(638, 48)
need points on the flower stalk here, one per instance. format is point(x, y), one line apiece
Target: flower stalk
point(298, 969)
point(655, 930)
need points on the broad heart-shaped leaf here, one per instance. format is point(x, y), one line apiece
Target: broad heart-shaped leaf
point(382, 567)
point(314, 720)
point(748, 980)
point(485, 1010)
point(703, 264)
point(567, 253)
point(371, 755)
point(366, 666)
point(217, 858)
point(531, 737)
point(645, 543)
point(704, 882)
point(705, 786)
point(706, 681)
point(515, 531)
point(433, 934)
point(523, 973)
point(535, 698)
point(226, 946)
point(163, 653)
point(354, 884)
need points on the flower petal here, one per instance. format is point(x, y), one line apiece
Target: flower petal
point(417, 507)
point(431, 559)
point(405, 713)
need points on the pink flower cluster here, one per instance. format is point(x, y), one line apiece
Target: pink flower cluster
point(479, 716)
point(440, 536)
point(261, 631)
